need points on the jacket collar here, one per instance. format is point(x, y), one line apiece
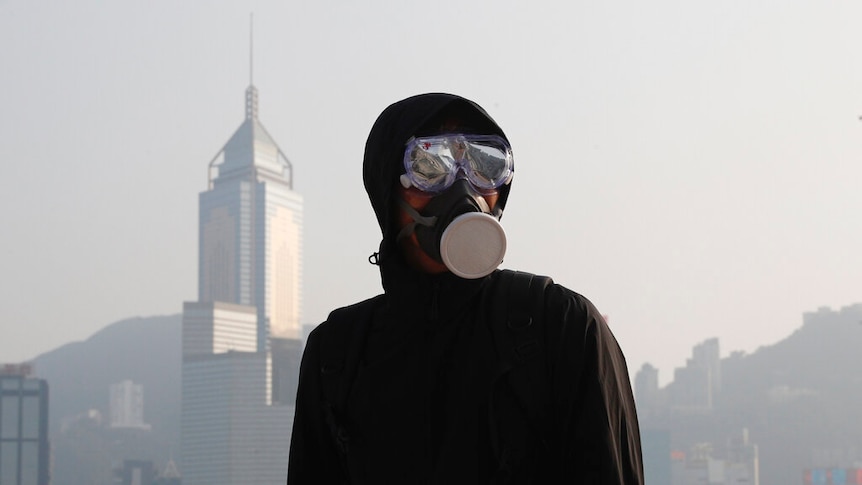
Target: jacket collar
point(415, 295)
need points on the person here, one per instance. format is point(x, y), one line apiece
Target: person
point(428, 382)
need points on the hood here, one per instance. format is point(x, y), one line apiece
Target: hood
point(418, 115)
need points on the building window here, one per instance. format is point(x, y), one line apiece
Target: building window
point(29, 463)
point(9, 462)
point(30, 418)
point(9, 417)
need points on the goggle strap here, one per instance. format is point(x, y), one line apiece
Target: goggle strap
point(483, 205)
point(418, 219)
point(406, 231)
point(497, 212)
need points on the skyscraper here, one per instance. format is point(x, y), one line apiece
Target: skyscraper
point(251, 230)
point(25, 455)
point(233, 430)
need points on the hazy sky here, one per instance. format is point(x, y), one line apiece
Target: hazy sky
point(691, 167)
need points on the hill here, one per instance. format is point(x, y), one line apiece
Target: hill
point(801, 397)
point(144, 350)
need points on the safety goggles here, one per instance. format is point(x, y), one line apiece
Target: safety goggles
point(433, 163)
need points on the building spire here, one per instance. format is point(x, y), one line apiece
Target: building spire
point(251, 103)
point(251, 49)
point(251, 92)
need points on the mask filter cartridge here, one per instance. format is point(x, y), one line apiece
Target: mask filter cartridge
point(473, 245)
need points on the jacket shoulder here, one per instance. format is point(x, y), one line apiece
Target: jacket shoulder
point(575, 304)
point(342, 319)
point(558, 299)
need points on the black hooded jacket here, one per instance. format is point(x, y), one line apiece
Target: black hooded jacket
point(428, 403)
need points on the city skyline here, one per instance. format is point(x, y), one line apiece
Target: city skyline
point(804, 379)
point(800, 407)
point(692, 169)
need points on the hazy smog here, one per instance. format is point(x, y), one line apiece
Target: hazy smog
point(692, 168)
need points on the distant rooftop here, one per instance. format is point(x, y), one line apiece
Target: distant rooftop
point(24, 369)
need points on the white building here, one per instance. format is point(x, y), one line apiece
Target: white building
point(127, 405)
point(232, 431)
point(218, 327)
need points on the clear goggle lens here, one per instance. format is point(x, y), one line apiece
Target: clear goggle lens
point(432, 164)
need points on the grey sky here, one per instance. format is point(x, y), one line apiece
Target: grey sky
point(691, 167)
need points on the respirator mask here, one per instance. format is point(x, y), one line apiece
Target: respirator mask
point(457, 227)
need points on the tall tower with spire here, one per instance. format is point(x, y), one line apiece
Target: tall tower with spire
point(242, 337)
point(251, 229)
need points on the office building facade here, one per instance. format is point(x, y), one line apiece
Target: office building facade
point(25, 455)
